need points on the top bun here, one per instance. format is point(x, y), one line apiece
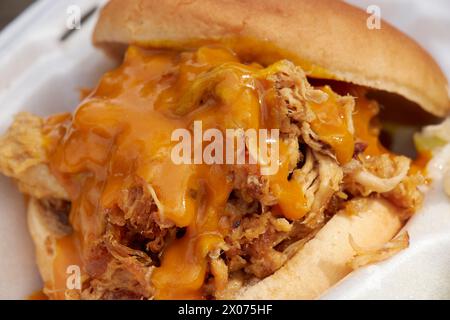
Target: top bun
point(328, 38)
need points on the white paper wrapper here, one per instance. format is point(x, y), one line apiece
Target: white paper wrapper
point(41, 74)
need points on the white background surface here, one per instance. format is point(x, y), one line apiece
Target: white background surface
point(42, 75)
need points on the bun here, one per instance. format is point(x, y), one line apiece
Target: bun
point(328, 38)
point(46, 228)
point(321, 263)
point(324, 260)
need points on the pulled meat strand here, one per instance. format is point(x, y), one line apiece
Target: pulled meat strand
point(377, 174)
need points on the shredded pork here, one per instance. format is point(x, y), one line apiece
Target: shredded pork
point(120, 263)
point(376, 174)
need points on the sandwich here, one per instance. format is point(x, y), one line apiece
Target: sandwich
point(120, 206)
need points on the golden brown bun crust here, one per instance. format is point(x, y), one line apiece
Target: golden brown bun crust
point(324, 260)
point(327, 34)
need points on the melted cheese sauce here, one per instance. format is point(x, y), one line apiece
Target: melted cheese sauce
point(122, 134)
point(419, 165)
point(332, 127)
point(37, 295)
point(291, 199)
point(365, 130)
point(67, 253)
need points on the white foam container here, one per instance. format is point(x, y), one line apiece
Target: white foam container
point(43, 75)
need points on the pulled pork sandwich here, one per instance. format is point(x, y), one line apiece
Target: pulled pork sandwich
point(105, 195)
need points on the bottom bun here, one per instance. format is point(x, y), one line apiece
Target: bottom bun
point(325, 259)
point(321, 263)
point(48, 226)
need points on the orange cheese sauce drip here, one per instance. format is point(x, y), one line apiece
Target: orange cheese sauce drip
point(37, 295)
point(365, 130)
point(122, 133)
point(332, 127)
point(291, 199)
point(419, 165)
point(187, 256)
point(67, 253)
